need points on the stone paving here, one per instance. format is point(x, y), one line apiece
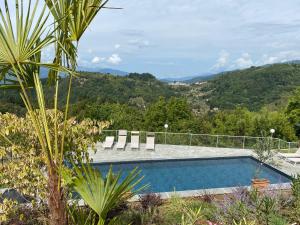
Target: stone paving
point(164, 152)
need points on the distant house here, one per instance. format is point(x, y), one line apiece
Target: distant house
point(178, 83)
point(201, 83)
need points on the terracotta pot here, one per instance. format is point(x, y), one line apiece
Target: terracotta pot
point(260, 183)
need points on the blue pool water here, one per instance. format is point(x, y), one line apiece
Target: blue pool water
point(193, 174)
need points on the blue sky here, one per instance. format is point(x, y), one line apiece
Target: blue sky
point(191, 37)
point(177, 38)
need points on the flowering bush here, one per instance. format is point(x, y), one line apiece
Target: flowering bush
point(253, 205)
point(23, 162)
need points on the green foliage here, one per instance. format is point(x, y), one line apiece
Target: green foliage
point(293, 111)
point(23, 214)
point(263, 148)
point(236, 122)
point(120, 115)
point(278, 220)
point(81, 215)
point(265, 120)
point(99, 88)
point(156, 116)
point(191, 217)
point(264, 208)
point(180, 118)
point(241, 121)
point(254, 87)
point(24, 172)
point(295, 213)
point(244, 222)
point(102, 194)
point(133, 102)
point(176, 112)
point(137, 90)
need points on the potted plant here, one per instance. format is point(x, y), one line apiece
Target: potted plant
point(264, 153)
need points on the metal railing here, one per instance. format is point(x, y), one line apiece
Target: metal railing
point(206, 140)
point(189, 139)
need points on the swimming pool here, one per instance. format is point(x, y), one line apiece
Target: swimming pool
point(195, 174)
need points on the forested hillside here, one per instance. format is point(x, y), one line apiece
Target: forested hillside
point(134, 89)
point(254, 87)
point(141, 102)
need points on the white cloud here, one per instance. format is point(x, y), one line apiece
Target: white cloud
point(244, 61)
point(139, 43)
point(48, 54)
point(114, 59)
point(97, 59)
point(169, 63)
point(146, 43)
point(279, 57)
point(193, 39)
point(269, 59)
point(222, 60)
point(117, 46)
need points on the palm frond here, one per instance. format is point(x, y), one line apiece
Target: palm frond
point(77, 14)
point(82, 14)
point(104, 193)
point(23, 42)
point(20, 43)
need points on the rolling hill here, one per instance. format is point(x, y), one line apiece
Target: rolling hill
point(254, 87)
point(90, 87)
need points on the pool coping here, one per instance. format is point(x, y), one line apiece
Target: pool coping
point(212, 191)
point(203, 192)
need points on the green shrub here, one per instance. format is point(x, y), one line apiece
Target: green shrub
point(295, 212)
point(278, 220)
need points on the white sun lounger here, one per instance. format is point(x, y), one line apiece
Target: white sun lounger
point(150, 142)
point(289, 155)
point(135, 140)
point(122, 138)
point(109, 142)
point(293, 160)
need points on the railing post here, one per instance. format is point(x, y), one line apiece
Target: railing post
point(217, 141)
point(191, 135)
point(289, 146)
point(165, 137)
point(278, 143)
point(244, 139)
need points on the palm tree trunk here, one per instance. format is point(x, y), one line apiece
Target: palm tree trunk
point(56, 201)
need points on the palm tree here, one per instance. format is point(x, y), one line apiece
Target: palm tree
point(101, 193)
point(21, 44)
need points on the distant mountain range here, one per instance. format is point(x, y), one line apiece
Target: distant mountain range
point(189, 79)
point(103, 70)
point(44, 71)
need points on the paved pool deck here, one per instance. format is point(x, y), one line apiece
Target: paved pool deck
point(163, 152)
point(179, 152)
